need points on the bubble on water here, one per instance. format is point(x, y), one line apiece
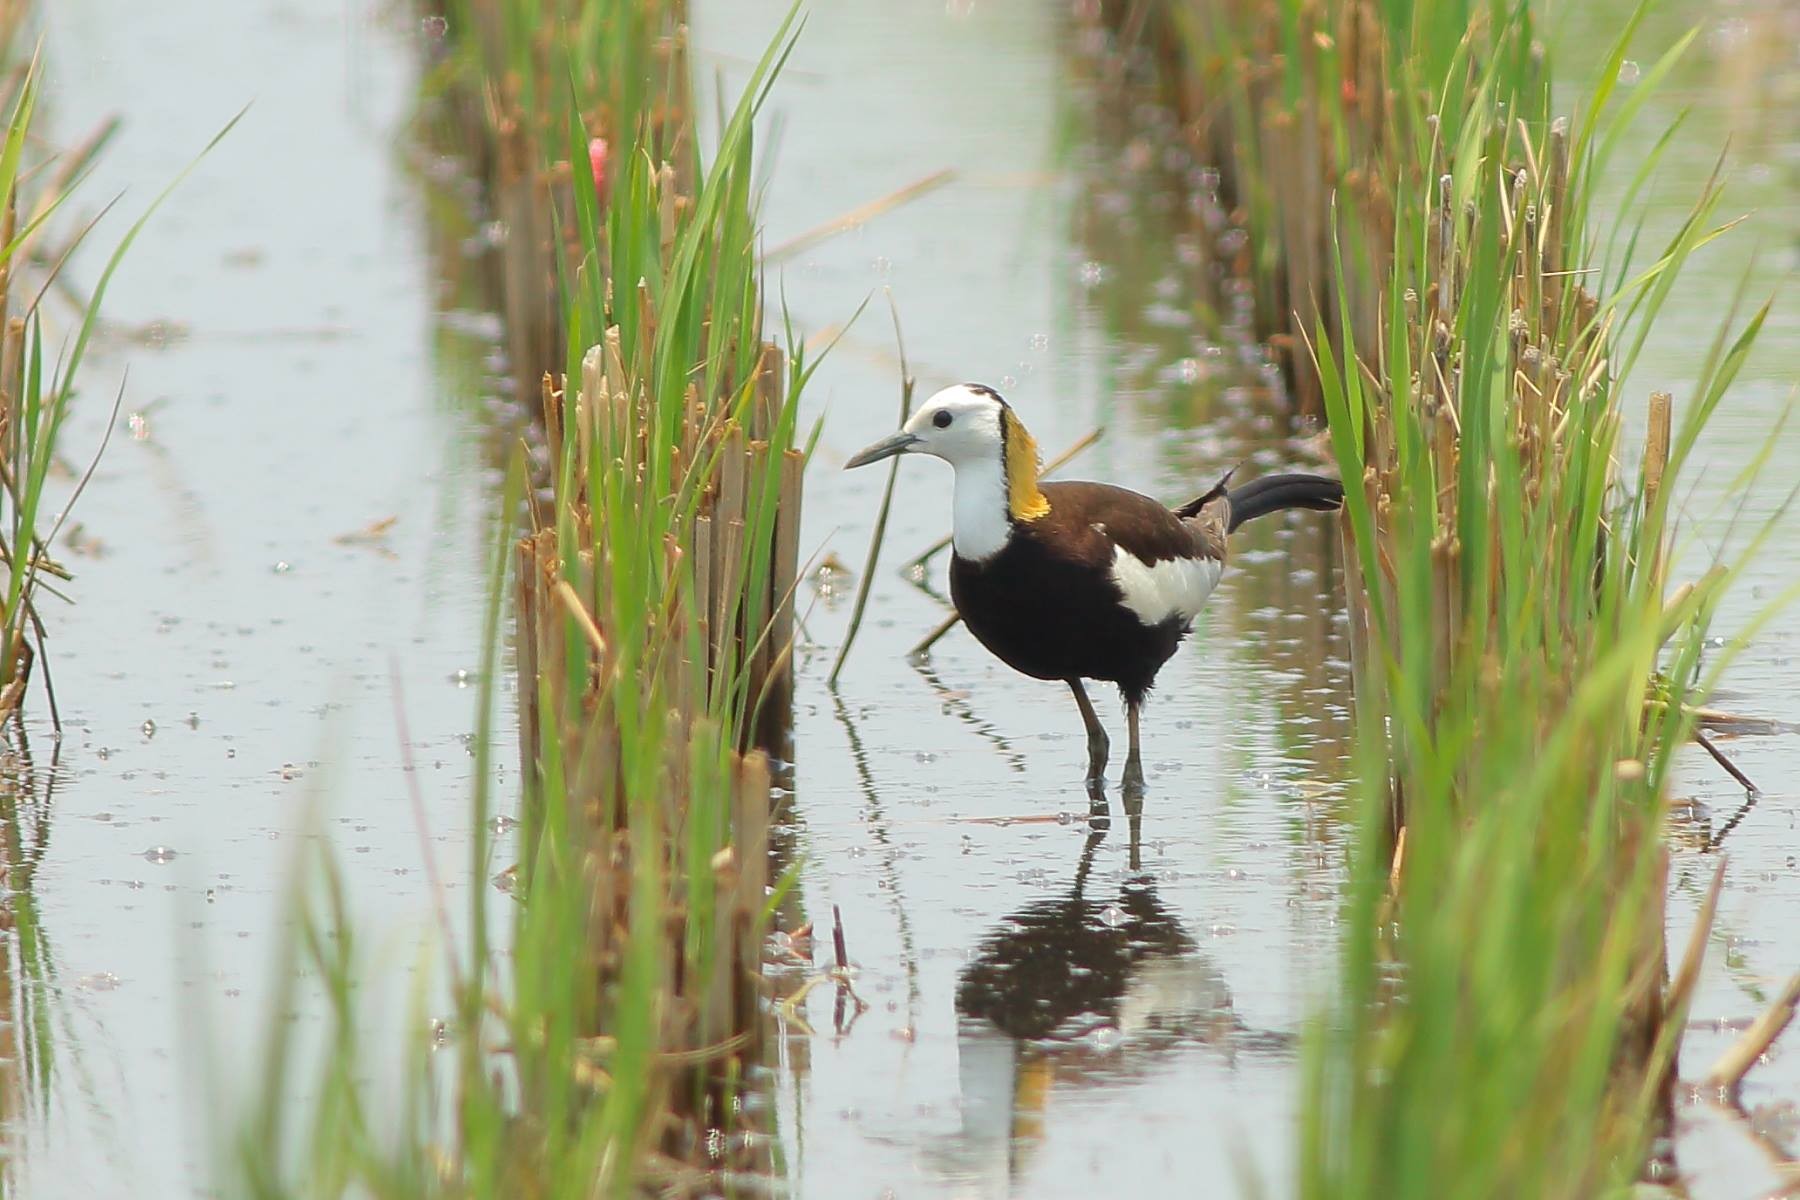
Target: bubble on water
point(159, 854)
point(149, 728)
point(1092, 274)
point(503, 824)
point(103, 754)
point(1629, 72)
point(463, 678)
point(1188, 370)
point(1729, 34)
point(1106, 1037)
point(881, 264)
point(99, 981)
point(1040, 341)
point(1112, 916)
point(282, 567)
point(1008, 383)
point(436, 28)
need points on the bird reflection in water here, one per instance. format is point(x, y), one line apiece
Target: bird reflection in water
point(1085, 989)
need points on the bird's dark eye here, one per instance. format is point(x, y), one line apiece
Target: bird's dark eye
point(942, 419)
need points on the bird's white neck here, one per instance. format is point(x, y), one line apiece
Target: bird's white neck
point(979, 524)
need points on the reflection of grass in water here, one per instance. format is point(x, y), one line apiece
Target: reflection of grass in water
point(876, 815)
point(31, 994)
point(41, 1043)
point(960, 708)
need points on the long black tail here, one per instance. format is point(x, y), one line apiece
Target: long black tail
point(1272, 493)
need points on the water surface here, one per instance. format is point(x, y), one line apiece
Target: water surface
point(1061, 1001)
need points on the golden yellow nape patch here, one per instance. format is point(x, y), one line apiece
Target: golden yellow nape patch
point(1024, 499)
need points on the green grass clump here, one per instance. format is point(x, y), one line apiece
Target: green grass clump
point(40, 369)
point(503, 92)
point(1424, 243)
point(38, 373)
point(601, 1051)
point(1505, 1025)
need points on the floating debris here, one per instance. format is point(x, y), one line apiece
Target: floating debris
point(373, 536)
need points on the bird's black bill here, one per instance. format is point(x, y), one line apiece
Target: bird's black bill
point(885, 448)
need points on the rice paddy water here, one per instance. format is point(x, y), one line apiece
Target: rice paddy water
point(1025, 996)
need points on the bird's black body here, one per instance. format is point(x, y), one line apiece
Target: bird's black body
point(1047, 604)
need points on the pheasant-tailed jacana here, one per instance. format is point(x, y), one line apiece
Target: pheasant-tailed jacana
point(1073, 581)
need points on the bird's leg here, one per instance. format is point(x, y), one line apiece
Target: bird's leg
point(1134, 765)
point(1096, 735)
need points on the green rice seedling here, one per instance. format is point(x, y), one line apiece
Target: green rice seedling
point(604, 1051)
point(1421, 233)
point(38, 373)
point(34, 1037)
point(1505, 1024)
point(34, 402)
point(505, 85)
point(653, 598)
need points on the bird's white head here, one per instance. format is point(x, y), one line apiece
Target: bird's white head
point(964, 425)
point(970, 427)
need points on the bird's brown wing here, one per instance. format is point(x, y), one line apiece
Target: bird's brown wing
point(1086, 520)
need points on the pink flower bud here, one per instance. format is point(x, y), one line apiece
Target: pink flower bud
point(597, 155)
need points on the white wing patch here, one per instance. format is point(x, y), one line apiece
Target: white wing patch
point(1175, 587)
